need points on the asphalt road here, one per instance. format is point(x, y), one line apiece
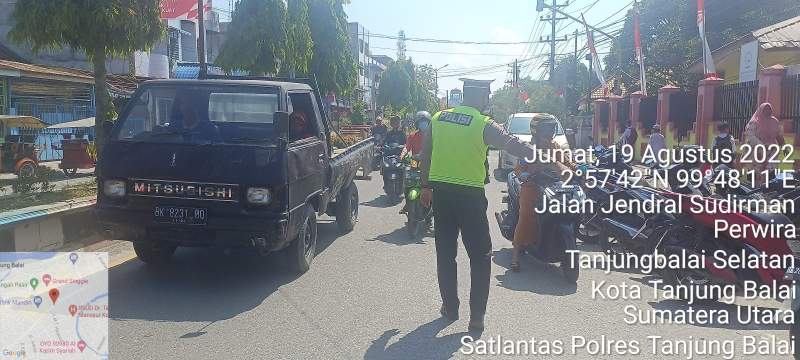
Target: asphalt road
point(370, 294)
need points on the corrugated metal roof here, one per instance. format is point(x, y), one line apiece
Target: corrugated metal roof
point(785, 34)
point(46, 71)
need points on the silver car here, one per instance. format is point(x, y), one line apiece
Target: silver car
point(519, 125)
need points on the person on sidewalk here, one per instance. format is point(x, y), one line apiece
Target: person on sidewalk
point(656, 144)
point(724, 141)
point(543, 128)
point(762, 131)
point(454, 152)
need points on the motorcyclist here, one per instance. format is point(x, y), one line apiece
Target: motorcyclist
point(414, 141)
point(543, 128)
point(396, 134)
point(422, 122)
point(379, 130)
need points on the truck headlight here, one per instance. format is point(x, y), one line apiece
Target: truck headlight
point(114, 188)
point(258, 196)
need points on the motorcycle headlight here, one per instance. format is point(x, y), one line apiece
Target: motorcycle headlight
point(258, 196)
point(114, 188)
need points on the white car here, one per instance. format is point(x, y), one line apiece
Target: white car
point(519, 125)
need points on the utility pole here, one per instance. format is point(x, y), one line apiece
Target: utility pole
point(201, 39)
point(589, 88)
point(553, 19)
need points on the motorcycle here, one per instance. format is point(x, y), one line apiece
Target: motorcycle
point(393, 171)
point(419, 216)
point(378, 155)
point(606, 167)
point(556, 231)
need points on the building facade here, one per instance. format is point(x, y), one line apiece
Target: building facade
point(369, 69)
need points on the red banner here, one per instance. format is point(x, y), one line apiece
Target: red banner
point(181, 9)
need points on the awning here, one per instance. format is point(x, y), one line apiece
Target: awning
point(24, 122)
point(82, 123)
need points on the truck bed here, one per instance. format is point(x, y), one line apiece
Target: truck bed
point(346, 162)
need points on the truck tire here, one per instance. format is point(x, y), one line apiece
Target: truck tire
point(152, 252)
point(302, 250)
point(347, 208)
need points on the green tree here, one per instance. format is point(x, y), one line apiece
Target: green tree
point(257, 38)
point(542, 97)
point(670, 39)
point(395, 87)
point(99, 28)
point(332, 62)
point(425, 89)
point(300, 46)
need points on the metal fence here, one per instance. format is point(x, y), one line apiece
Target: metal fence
point(790, 100)
point(49, 140)
point(648, 113)
point(735, 104)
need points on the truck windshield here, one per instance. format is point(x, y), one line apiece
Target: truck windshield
point(193, 114)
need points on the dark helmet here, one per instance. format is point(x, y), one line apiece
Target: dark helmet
point(544, 125)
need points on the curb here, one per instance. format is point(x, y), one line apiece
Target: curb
point(49, 227)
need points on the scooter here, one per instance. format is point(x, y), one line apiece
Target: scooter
point(556, 231)
point(393, 172)
point(419, 216)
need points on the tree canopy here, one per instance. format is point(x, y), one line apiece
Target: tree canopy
point(332, 62)
point(406, 87)
point(99, 28)
point(542, 97)
point(257, 38)
point(670, 39)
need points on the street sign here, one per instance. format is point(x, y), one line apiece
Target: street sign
point(181, 9)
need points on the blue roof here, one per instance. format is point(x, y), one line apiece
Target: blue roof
point(184, 70)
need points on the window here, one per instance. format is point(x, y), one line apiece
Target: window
point(303, 121)
point(168, 113)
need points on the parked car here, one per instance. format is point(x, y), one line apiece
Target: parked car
point(218, 163)
point(519, 125)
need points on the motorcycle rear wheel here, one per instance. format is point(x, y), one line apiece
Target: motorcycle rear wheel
point(415, 225)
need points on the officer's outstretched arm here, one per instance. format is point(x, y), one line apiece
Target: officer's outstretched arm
point(494, 135)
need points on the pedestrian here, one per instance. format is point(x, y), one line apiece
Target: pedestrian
point(656, 144)
point(761, 131)
point(453, 177)
point(724, 141)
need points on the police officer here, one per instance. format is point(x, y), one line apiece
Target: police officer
point(454, 154)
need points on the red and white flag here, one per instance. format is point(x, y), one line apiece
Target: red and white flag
point(708, 62)
point(598, 66)
point(637, 43)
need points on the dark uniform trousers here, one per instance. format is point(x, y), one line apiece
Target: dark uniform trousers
point(460, 209)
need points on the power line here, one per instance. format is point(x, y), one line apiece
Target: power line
point(442, 52)
point(448, 41)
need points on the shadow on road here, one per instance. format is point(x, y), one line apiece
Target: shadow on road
point(421, 343)
point(501, 175)
point(382, 202)
point(201, 285)
point(535, 276)
point(401, 237)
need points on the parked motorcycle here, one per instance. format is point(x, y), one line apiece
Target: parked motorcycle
point(419, 216)
point(393, 171)
point(556, 231)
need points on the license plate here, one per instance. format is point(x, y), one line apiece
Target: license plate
point(180, 215)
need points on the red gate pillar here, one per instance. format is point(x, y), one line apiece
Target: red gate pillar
point(770, 85)
point(613, 113)
point(597, 127)
point(663, 110)
point(706, 92)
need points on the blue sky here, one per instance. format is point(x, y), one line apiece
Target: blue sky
point(477, 20)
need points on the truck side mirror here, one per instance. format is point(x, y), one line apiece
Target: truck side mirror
point(281, 122)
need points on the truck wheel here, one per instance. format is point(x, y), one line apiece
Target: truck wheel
point(303, 249)
point(347, 208)
point(153, 252)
